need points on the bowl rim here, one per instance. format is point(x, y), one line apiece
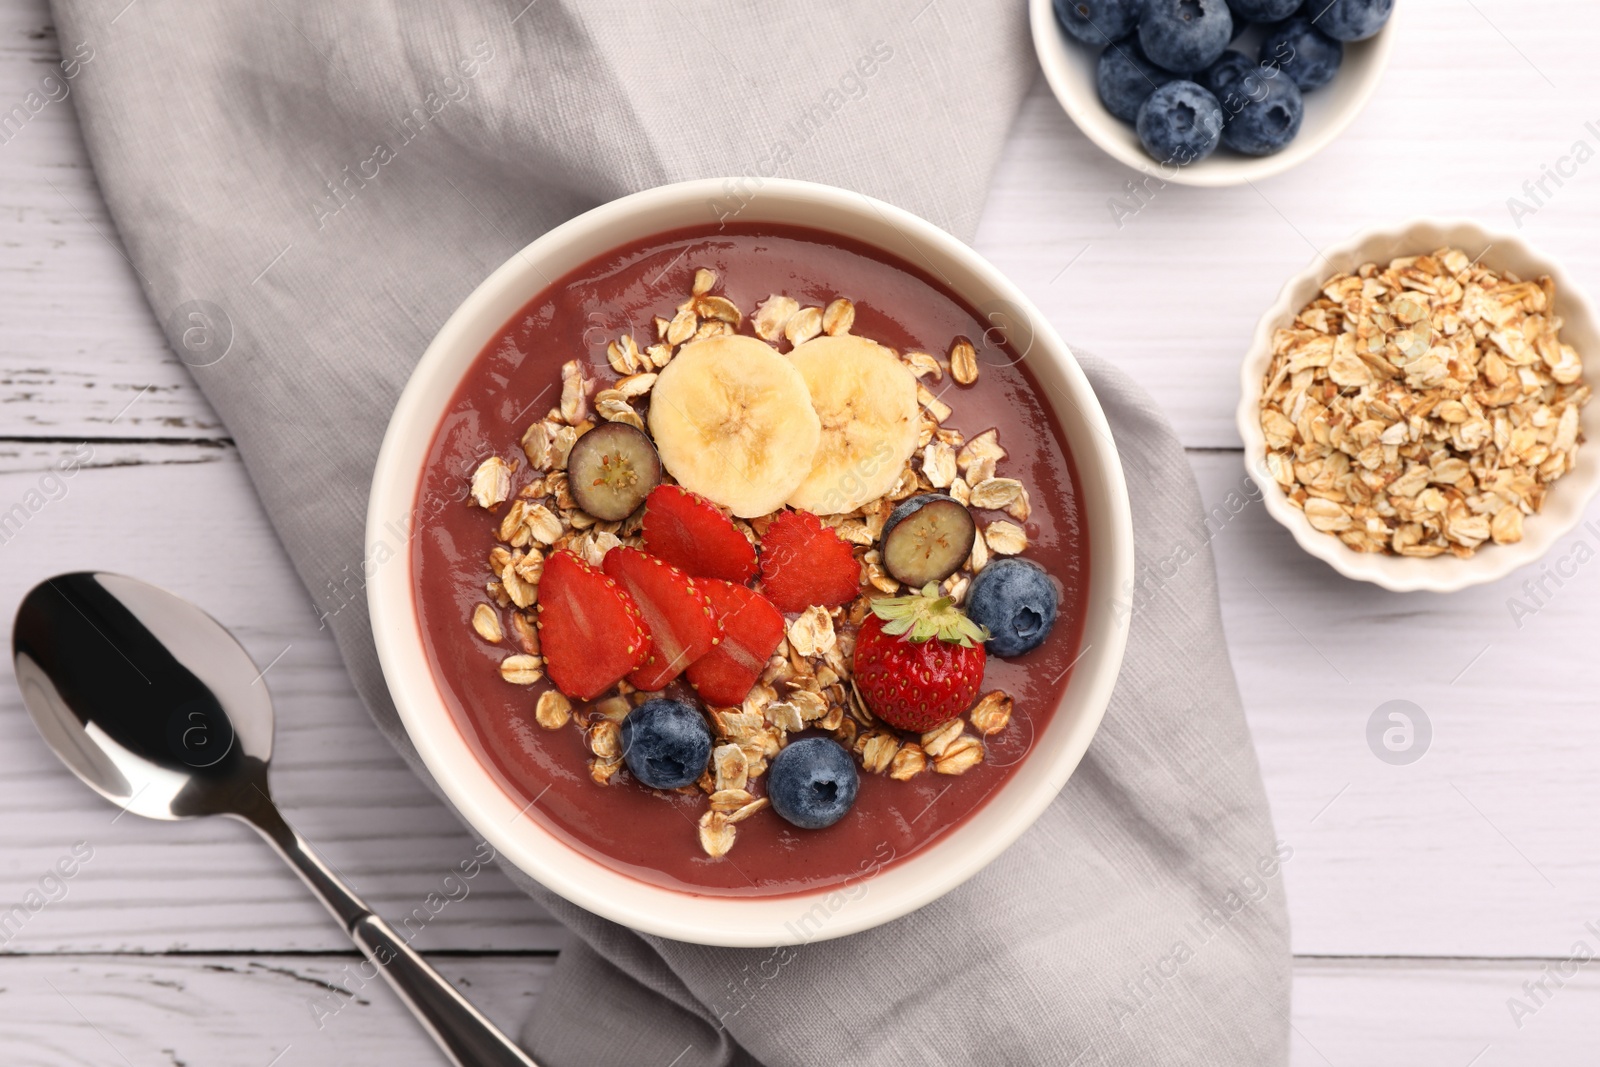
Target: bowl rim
point(1441, 574)
point(599, 887)
point(1055, 57)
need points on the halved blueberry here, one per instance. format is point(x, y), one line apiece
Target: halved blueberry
point(927, 538)
point(611, 470)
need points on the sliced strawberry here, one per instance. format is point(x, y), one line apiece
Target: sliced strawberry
point(751, 630)
point(804, 562)
point(688, 531)
point(676, 613)
point(590, 629)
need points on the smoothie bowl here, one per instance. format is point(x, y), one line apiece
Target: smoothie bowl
point(759, 565)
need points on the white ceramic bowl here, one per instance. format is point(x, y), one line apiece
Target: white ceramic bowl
point(1568, 497)
point(493, 813)
point(1069, 67)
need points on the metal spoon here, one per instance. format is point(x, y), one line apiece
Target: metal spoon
point(154, 704)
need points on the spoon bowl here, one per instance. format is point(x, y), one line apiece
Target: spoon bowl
point(144, 696)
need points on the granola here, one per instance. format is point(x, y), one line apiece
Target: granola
point(1422, 407)
point(807, 684)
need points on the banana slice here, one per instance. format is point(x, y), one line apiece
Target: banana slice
point(867, 401)
point(733, 422)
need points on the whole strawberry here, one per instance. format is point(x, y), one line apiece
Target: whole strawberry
point(919, 660)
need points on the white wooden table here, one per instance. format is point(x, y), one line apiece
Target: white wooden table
point(1423, 897)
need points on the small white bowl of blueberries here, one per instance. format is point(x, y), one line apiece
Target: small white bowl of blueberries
point(1213, 92)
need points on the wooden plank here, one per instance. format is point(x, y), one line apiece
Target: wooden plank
point(211, 885)
point(38, 459)
point(1400, 1013)
point(1481, 847)
point(57, 1011)
point(72, 1010)
point(82, 355)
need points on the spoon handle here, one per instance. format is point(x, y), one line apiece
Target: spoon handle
point(465, 1035)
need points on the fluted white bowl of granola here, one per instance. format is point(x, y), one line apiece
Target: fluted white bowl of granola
point(1415, 406)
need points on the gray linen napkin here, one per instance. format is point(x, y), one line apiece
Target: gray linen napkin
point(307, 190)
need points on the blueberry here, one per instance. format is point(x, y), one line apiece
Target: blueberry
point(1348, 20)
point(812, 782)
point(1185, 36)
point(1097, 22)
point(1268, 120)
point(1016, 600)
point(1303, 52)
point(1126, 77)
point(666, 743)
point(1180, 123)
point(1262, 10)
point(1231, 80)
